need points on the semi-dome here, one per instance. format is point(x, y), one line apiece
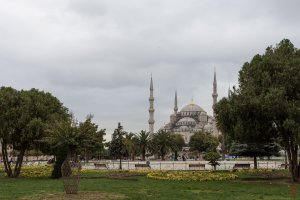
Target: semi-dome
point(192, 108)
point(186, 119)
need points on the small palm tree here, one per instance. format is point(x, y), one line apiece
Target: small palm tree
point(162, 143)
point(130, 145)
point(143, 141)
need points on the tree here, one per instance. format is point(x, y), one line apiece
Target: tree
point(202, 142)
point(269, 83)
point(255, 150)
point(69, 138)
point(117, 148)
point(162, 143)
point(130, 145)
point(274, 79)
point(143, 141)
point(23, 118)
point(213, 158)
point(242, 119)
point(95, 144)
point(178, 143)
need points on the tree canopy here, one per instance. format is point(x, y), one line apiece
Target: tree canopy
point(203, 142)
point(267, 103)
point(23, 119)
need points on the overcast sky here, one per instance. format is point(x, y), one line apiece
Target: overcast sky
point(97, 56)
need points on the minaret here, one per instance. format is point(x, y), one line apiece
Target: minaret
point(151, 109)
point(215, 93)
point(175, 104)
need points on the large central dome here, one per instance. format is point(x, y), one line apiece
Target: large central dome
point(192, 108)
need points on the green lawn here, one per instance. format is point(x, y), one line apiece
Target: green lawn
point(142, 188)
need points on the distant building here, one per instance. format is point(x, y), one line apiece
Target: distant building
point(190, 119)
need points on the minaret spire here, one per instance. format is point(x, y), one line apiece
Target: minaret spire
point(151, 109)
point(215, 93)
point(175, 103)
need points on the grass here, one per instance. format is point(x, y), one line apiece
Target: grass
point(249, 187)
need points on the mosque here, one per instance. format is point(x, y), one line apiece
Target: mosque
point(190, 119)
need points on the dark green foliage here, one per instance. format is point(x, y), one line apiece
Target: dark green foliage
point(130, 143)
point(162, 143)
point(267, 103)
point(117, 147)
point(143, 142)
point(23, 119)
point(73, 139)
point(178, 143)
point(203, 142)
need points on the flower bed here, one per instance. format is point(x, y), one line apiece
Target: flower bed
point(36, 171)
point(191, 176)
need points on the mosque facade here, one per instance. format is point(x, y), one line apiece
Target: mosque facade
point(190, 119)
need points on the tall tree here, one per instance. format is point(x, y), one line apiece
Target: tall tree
point(269, 84)
point(274, 80)
point(23, 117)
point(117, 148)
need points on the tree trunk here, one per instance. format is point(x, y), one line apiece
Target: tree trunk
point(120, 165)
point(285, 159)
point(175, 155)
point(19, 162)
point(223, 147)
point(132, 156)
point(143, 154)
point(7, 166)
point(294, 166)
point(255, 162)
point(162, 156)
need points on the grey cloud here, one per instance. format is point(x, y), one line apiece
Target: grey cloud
point(97, 56)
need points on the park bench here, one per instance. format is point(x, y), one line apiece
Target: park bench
point(241, 166)
point(100, 166)
point(196, 166)
point(142, 166)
